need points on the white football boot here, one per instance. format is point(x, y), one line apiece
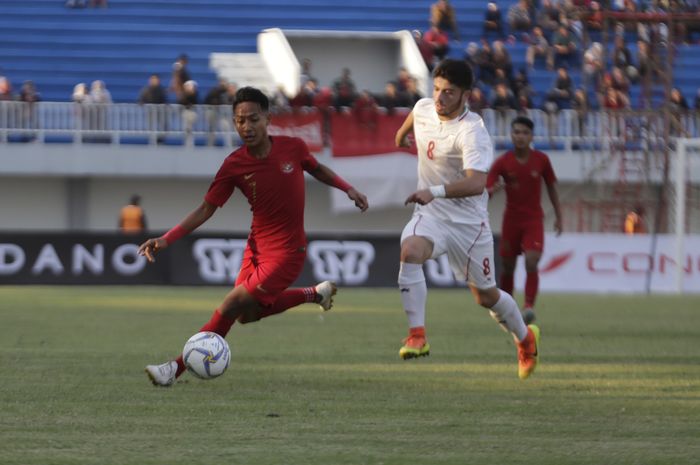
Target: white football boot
point(326, 290)
point(162, 375)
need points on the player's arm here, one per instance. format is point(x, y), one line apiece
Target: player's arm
point(329, 177)
point(494, 181)
point(473, 183)
point(401, 138)
point(195, 219)
point(554, 198)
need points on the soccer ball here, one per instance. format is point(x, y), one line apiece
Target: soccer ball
point(206, 355)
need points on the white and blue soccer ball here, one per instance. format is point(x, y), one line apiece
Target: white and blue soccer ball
point(206, 355)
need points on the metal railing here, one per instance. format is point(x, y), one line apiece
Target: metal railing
point(126, 123)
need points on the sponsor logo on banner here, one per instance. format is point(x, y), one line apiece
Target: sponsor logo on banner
point(83, 260)
point(345, 262)
point(219, 260)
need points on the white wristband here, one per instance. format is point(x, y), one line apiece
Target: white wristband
point(438, 191)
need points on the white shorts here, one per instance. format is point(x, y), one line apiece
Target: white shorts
point(469, 247)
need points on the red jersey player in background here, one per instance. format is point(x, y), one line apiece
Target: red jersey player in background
point(269, 171)
point(521, 172)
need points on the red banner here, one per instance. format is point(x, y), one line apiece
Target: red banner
point(365, 133)
point(307, 125)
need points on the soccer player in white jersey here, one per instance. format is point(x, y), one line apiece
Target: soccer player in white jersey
point(450, 216)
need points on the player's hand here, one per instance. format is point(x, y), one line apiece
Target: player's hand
point(557, 226)
point(403, 141)
point(421, 197)
point(149, 248)
point(497, 186)
point(359, 198)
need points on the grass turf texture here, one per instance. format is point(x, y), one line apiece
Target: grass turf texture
point(619, 382)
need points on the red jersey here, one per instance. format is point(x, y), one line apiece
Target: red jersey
point(523, 183)
point(274, 187)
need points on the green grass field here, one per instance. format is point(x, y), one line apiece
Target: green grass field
point(619, 382)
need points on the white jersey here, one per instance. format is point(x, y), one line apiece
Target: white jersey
point(445, 150)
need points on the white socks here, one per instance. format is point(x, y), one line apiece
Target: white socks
point(414, 293)
point(507, 314)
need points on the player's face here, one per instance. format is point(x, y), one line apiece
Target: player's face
point(521, 136)
point(449, 99)
point(251, 123)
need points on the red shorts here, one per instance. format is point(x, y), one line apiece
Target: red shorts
point(518, 236)
point(266, 277)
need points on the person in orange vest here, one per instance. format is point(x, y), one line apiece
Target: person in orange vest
point(132, 219)
point(634, 221)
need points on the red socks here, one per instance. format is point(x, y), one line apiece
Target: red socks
point(506, 283)
point(532, 284)
point(288, 299)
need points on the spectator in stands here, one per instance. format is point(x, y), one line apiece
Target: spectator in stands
point(99, 99)
point(619, 81)
point(100, 3)
point(306, 95)
point(30, 96)
point(493, 21)
point(5, 89)
point(677, 101)
point(344, 91)
point(80, 93)
point(392, 98)
point(412, 93)
point(402, 79)
point(621, 56)
point(521, 87)
point(76, 3)
point(538, 48)
point(503, 99)
point(696, 102)
point(563, 50)
point(438, 40)
point(548, 17)
point(562, 91)
point(365, 110)
point(279, 100)
point(153, 92)
point(132, 218)
point(443, 15)
point(99, 93)
point(580, 104)
point(501, 59)
point(593, 68)
point(218, 99)
point(471, 56)
point(634, 221)
point(614, 100)
point(519, 18)
point(679, 108)
point(305, 72)
point(485, 64)
point(180, 76)
point(646, 65)
point(425, 49)
point(594, 19)
point(188, 100)
point(500, 78)
point(477, 101)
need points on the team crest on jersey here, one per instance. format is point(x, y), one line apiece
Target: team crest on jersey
point(534, 173)
point(287, 167)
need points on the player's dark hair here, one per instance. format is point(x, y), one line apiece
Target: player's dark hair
point(251, 94)
point(525, 121)
point(456, 72)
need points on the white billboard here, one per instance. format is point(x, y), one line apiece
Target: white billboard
point(616, 263)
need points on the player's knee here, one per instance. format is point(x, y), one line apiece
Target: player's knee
point(486, 298)
point(415, 251)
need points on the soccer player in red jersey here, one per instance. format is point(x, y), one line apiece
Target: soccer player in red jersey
point(269, 171)
point(522, 171)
